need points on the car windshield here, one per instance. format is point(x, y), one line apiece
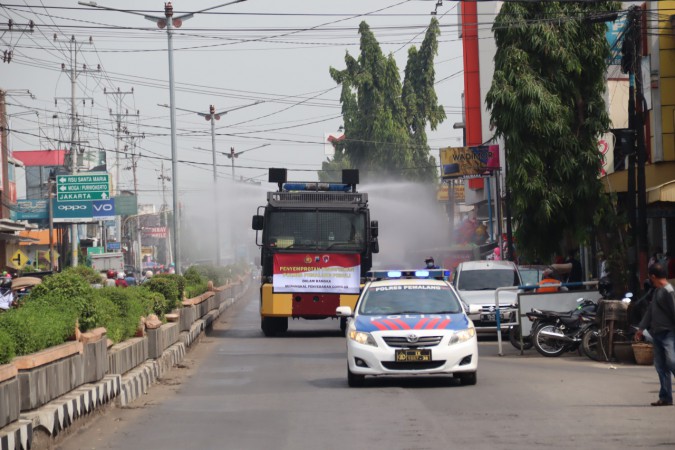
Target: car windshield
point(530, 275)
point(409, 299)
point(491, 279)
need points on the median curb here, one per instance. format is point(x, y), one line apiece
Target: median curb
point(120, 390)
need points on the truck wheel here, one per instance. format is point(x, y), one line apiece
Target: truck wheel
point(267, 326)
point(282, 324)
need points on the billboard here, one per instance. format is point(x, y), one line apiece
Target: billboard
point(37, 209)
point(457, 162)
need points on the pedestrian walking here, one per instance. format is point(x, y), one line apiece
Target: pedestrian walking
point(659, 320)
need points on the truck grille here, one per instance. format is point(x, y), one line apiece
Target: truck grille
point(402, 341)
point(392, 365)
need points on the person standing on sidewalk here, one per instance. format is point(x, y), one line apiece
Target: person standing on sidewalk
point(659, 320)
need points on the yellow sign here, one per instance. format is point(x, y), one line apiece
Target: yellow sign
point(459, 162)
point(46, 255)
point(459, 193)
point(18, 259)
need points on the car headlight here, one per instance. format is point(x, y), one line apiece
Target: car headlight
point(462, 335)
point(362, 337)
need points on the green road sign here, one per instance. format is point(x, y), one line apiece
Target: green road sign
point(89, 186)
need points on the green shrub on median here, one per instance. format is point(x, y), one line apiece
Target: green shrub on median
point(168, 287)
point(7, 350)
point(38, 325)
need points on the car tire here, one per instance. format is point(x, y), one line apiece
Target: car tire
point(355, 380)
point(468, 378)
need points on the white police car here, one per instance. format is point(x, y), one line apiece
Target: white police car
point(409, 323)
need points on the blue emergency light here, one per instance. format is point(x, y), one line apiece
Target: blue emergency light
point(439, 274)
point(331, 187)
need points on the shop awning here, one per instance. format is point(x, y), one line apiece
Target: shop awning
point(662, 193)
point(8, 237)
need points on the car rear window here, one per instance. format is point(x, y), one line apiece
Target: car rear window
point(483, 280)
point(422, 299)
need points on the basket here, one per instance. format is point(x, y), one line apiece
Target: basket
point(644, 353)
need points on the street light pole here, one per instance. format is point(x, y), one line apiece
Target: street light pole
point(212, 116)
point(169, 21)
point(234, 154)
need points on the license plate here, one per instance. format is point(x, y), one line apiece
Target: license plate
point(413, 355)
point(492, 317)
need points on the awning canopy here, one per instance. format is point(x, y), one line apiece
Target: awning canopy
point(8, 237)
point(662, 193)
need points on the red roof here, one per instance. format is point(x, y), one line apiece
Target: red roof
point(40, 157)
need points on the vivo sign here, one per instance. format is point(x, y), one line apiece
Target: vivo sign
point(103, 209)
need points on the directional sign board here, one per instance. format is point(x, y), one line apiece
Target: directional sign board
point(86, 186)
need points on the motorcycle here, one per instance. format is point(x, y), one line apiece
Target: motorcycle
point(560, 332)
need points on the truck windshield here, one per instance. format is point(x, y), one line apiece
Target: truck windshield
point(317, 230)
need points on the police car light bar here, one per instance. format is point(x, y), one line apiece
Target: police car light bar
point(387, 274)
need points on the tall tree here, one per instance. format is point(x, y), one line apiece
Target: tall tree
point(546, 101)
point(420, 100)
point(385, 127)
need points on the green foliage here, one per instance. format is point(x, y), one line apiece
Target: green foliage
point(38, 325)
point(7, 350)
point(192, 276)
point(130, 304)
point(384, 122)
point(195, 289)
point(178, 279)
point(66, 290)
point(89, 274)
point(168, 288)
point(546, 101)
point(196, 284)
point(219, 275)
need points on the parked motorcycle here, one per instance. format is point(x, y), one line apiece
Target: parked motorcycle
point(560, 332)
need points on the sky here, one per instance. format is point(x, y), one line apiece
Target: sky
point(270, 59)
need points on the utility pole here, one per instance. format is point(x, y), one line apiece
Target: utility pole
point(118, 115)
point(134, 164)
point(73, 73)
point(631, 64)
point(164, 178)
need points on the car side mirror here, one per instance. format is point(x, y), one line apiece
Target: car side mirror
point(257, 222)
point(344, 311)
point(374, 228)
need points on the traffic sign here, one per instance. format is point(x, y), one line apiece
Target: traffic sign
point(19, 259)
point(79, 187)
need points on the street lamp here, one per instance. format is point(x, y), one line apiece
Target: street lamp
point(212, 116)
point(169, 21)
point(234, 154)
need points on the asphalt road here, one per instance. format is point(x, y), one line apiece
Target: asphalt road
point(240, 390)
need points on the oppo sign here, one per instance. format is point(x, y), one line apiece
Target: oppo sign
point(84, 211)
point(72, 208)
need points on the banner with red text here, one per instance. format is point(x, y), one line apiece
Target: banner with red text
point(317, 272)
